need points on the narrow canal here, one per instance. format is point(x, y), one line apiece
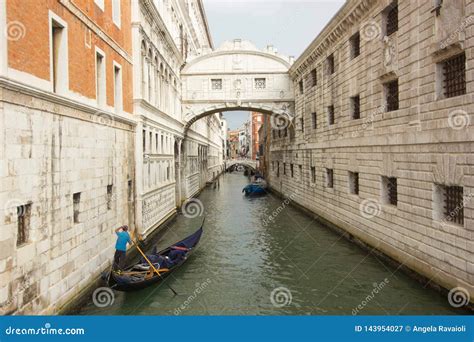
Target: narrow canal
point(248, 265)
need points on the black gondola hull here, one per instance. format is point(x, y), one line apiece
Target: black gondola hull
point(121, 282)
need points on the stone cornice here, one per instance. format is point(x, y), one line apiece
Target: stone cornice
point(91, 25)
point(197, 59)
point(64, 101)
point(347, 16)
point(206, 24)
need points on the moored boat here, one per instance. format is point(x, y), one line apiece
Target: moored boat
point(257, 188)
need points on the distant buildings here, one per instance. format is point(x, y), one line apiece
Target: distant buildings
point(256, 119)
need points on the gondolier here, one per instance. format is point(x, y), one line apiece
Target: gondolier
point(121, 247)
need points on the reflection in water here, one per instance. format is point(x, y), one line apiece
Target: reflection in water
point(248, 264)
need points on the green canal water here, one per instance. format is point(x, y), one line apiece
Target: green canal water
point(292, 265)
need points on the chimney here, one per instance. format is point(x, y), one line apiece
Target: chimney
point(237, 43)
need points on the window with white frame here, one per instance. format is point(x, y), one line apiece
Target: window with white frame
point(59, 56)
point(116, 12)
point(100, 4)
point(118, 99)
point(100, 78)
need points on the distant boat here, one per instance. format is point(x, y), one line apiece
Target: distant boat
point(257, 188)
point(166, 261)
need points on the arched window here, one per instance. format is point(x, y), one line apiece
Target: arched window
point(143, 69)
point(156, 77)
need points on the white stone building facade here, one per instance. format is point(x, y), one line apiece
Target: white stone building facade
point(382, 141)
point(164, 34)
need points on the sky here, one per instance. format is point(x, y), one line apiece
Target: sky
point(289, 25)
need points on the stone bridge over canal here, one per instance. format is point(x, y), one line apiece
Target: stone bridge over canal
point(237, 76)
point(245, 162)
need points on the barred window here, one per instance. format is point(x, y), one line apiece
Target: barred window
point(454, 73)
point(301, 86)
point(110, 189)
point(24, 217)
point(355, 107)
point(291, 170)
point(453, 204)
point(329, 178)
point(216, 84)
point(76, 200)
point(330, 64)
point(313, 174)
point(315, 120)
point(392, 18)
point(260, 83)
point(278, 169)
point(331, 115)
point(391, 91)
point(355, 45)
point(284, 169)
point(389, 190)
point(300, 171)
point(302, 124)
point(354, 183)
point(314, 78)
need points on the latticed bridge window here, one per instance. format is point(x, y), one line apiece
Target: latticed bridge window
point(216, 84)
point(454, 73)
point(260, 83)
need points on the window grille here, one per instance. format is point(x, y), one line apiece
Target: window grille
point(392, 19)
point(453, 204)
point(216, 84)
point(454, 72)
point(392, 95)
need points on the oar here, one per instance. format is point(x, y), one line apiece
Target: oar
point(152, 266)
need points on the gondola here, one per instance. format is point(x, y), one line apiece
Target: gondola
point(140, 275)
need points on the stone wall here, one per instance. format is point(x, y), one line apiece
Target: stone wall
point(51, 151)
point(425, 144)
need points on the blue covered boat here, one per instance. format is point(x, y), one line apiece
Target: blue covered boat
point(255, 189)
